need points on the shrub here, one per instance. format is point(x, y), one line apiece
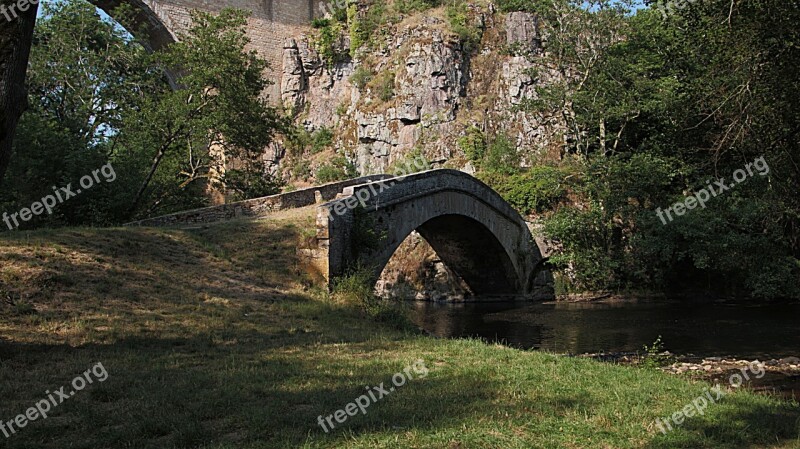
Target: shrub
point(538, 190)
point(361, 77)
point(473, 144)
point(338, 169)
point(357, 289)
point(534, 6)
point(384, 86)
point(501, 156)
point(470, 35)
point(328, 43)
point(409, 6)
point(321, 139)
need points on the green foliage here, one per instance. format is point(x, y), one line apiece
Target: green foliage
point(358, 35)
point(357, 288)
point(321, 139)
point(84, 77)
point(473, 144)
point(320, 22)
point(329, 43)
point(536, 191)
point(247, 184)
point(533, 6)
point(617, 194)
point(384, 85)
point(469, 34)
point(300, 169)
point(97, 96)
point(494, 159)
point(674, 87)
point(501, 157)
point(338, 169)
point(654, 356)
point(361, 77)
point(410, 6)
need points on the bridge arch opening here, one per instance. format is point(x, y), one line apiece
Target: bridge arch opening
point(453, 254)
point(145, 22)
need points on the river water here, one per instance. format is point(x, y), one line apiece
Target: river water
point(741, 330)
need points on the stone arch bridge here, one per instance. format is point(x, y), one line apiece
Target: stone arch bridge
point(473, 230)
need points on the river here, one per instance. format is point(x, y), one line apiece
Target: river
point(741, 330)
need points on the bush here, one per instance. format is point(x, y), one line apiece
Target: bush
point(538, 190)
point(338, 169)
point(357, 289)
point(473, 144)
point(470, 35)
point(321, 139)
point(501, 156)
point(361, 77)
point(534, 6)
point(384, 86)
point(329, 43)
point(409, 6)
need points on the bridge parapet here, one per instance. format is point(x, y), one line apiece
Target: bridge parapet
point(471, 227)
point(258, 207)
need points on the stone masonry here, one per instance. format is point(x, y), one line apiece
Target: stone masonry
point(272, 22)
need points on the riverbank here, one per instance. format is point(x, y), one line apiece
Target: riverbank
point(216, 337)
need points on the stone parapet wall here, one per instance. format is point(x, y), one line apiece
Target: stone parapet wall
point(258, 207)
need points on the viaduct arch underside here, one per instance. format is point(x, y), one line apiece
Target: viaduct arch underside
point(271, 23)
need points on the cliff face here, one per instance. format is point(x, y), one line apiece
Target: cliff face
point(421, 86)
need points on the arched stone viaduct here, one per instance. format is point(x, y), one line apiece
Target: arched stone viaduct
point(474, 231)
point(272, 22)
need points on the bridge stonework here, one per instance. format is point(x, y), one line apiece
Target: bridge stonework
point(272, 22)
point(474, 231)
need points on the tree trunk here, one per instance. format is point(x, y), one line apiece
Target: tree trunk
point(16, 37)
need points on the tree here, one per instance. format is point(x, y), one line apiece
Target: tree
point(15, 47)
point(85, 73)
point(578, 35)
point(218, 105)
point(98, 96)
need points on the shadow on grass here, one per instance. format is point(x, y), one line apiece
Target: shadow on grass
point(188, 392)
point(732, 427)
point(203, 347)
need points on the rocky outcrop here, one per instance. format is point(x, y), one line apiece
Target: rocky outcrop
point(421, 88)
point(416, 272)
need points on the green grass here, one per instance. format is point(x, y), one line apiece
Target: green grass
point(213, 338)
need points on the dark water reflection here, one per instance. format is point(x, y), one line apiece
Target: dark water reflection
point(742, 330)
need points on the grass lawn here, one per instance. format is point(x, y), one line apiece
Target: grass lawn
point(213, 338)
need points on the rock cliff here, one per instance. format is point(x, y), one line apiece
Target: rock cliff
point(420, 86)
